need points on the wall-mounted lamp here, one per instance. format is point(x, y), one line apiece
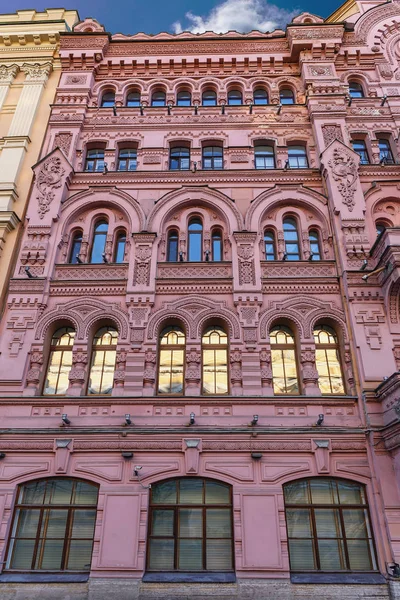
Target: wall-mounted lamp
point(194, 168)
point(349, 101)
point(180, 256)
point(141, 110)
point(222, 109)
point(105, 169)
point(2, 455)
point(395, 568)
point(287, 165)
point(196, 108)
point(250, 109)
point(284, 257)
point(127, 455)
point(104, 257)
point(207, 255)
point(320, 420)
point(128, 419)
point(384, 98)
point(78, 260)
point(30, 275)
point(364, 265)
point(136, 470)
point(255, 420)
point(383, 161)
point(278, 112)
point(310, 258)
point(65, 419)
point(114, 111)
point(376, 272)
point(169, 108)
point(256, 455)
point(192, 418)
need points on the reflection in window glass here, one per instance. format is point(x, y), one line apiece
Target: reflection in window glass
point(184, 98)
point(95, 160)
point(127, 159)
point(297, 157)
point(190, 526)
point(380, 228)
point(133, 99)
point(361, 149)
point(385, 152)
point(356, 90)
point(75, 248)
point(215, 361)
point(291, 237)
point(172, 246)
point(269, 242)
point(209, 98)
point(330, 379)
point(264, 157)
point(171, 361)
point(216, 241)
point(60, 361)
point(99, 242)
point(235, 97)
point(260, 96)
point(195, 253)
point(104, 353)
point(120, 247)
point(286, 96)
point(53, 526)
point(108, 100)
point(213, 157)
point(158, 99)
point(283, 361)
point(324, 532)
point(179, 159)
point(314, 244)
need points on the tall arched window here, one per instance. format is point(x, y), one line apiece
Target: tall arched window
point(99, 242)
point(179, 158)
point(235, 97)
point(209, 98)
point(195, 241)
point(328, 526)
point(264, 157)
point(291, 237)
point(53, 526)
point(172, 246)
point(108, 100)
point(216, 245)
point(102, 367)
point(184, 98)
point(286, 96)
point(158, 98)
point(127, 159)
point(60, 361)
point(213, 157)
point(215, 361)
point(133, 99)
point(297, 157)
point(190, 526)
point(327, 360)
point(95, 160)
point(119, 252)
point(270, 246)
point(315, 248)
point(283, 360)
point(171, 361)
point(356, 89)
point(260, 96)
point(75, 248)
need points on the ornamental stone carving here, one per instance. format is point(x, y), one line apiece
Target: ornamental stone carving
point(193, 372)
point(34, 373)
point(119, 375)
point(344, 172)
point(320, 71)
point(36, 73)
point(309, 371)
point(48, 179)
point(236, 370)
point(7, 74)
point(331, 133)
point(63, 141)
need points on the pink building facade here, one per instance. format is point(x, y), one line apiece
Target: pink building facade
point(200, 351)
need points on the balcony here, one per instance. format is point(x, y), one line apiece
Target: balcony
point(194, 276)
point(89, 278)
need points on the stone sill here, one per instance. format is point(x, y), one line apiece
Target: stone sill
point(44, 577)
point(189, 577)
point(338, 578)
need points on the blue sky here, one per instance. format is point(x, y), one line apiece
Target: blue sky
point(153, 16)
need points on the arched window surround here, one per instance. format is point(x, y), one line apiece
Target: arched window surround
point(79, 485)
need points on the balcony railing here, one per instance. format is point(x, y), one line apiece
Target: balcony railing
point(91, 272)
point(298, 269)
point(195, 270)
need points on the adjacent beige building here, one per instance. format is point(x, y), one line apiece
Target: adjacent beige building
point(29, 74)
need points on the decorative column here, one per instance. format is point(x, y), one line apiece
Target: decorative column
point(236, 372)
point(34, 374)
point(309, 372)
point(192, 373)
point(77, 374)
point(7, 76)
point(266, 373)
point(149, 374)
point(119, 375)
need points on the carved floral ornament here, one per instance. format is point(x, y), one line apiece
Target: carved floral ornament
point(7, 74)
point(344, 172)
point(36, 72)
point(49, 179)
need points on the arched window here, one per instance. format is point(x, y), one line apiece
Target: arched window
point(264, 157)
point(179, 158)
point(315, 249)
point(291, 237)
point(328, 526)
point(327, 359)
point(133, 99)
point(75, 248)
point(127, 159)
point(102, 367)
point(171, 361)
point(260, 96)
point(297, 157)
point(172, 246)
point(195, 241)
point(216, 244)
point(360, 148)
point(119, 252)
point(190, 526)
point(235, 97)
point(184, 98)
point(270, 246)
point(108, 100)
point(356, 89)
point(283, 360)
point(215, 361)
point(99, 242)
point(213, 157)
point(95, 160)
point(385, 151)
point(158, 98)
point(53, 526)
point(60, 361)
point(209, 98)
point(380, 228)
point(286, 96)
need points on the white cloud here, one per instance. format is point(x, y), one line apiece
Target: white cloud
point(240, 15)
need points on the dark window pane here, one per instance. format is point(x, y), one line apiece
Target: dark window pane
point(164, 493)
point(260, 96)
point(172, 249)
point(161, 554)
point(133, 99)
point(191, 491)
point(209, 98)
point(158, 99)
point(286, 96)
point(183, 99)
point(108, 99)
point(235, 97)
point(356, 90)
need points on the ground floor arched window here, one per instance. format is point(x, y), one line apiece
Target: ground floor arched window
point(190, 526)
point(328, 526)
point(53, 526)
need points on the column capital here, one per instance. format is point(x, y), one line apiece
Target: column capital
point(7, 74)
point(36, 73)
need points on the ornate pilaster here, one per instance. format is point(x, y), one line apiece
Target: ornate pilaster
point(7, 76)
point(35, 81)
point(77, 374)
point(193, 372)
point(149, 374)
point(33, 375)
point(120, 372)
point(309, 372)
point(266, 373)
point(236, 372)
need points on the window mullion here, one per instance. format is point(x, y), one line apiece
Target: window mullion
point(344, 537)
point(37, 541)
point(67, 539)
point(315, 538)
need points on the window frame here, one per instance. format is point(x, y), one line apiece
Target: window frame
point(281, 347)
point(107, 103)
point(98, 222)
point(313, 528)
point(119, 234)
point(42, 507)
point(72, 260)
point(336, 346)
point(189, 97)
point(264, 155)
point(208, 103)
point(216, 233)
point(239, 96)
point(288, 99)
point(215, 347)
point(266, 96)
point(156, 102)
point(171, 232)
point(273, 242)
point(298, 240)
point(180, 158)
point(294, 154)
point(386, 155)
point(128, 159)
point(98, 161)
point(175, 507)
point(317, 242)
point(362, 151)
point(213, 158)
point(171, 348)
point(137, 103)
point(200, 233)
point(105, 348)
point(356, 93)
point(61, 349)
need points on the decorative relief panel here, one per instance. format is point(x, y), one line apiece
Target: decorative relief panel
point(331, 133)
point(344, 172)
point(48, 179)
